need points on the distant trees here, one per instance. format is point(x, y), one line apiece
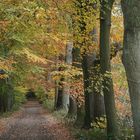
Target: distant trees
point(19, 23)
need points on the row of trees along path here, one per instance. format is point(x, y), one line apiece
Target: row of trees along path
point(66, 41)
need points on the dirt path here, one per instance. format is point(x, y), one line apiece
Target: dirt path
point(33, 123)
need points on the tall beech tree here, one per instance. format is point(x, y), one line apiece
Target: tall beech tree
point(84, 28)
point(131, 57)
point(81, 8)
point(105, 53)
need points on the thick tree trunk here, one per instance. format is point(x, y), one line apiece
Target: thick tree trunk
point(105, 25)
point(131, 57)
point(66, 88)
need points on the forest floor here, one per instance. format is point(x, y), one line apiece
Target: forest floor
point(33, 122)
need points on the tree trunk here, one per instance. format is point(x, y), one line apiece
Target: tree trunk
point(97, 99)
point(58, 96)
point(99, 107)
point(72, 108)
point(56, 85)
point(79, 109)
point(66, 88)
point(131, 57)
point(87, 91)
point(94, 101)
point(6, 96)
point(105, 25)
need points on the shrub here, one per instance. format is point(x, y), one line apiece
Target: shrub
point(19, 96)
point(49, 104)
point(41, 94)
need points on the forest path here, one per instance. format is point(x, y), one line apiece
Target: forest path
point(33, 123)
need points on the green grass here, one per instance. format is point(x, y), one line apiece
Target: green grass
point(49, 104)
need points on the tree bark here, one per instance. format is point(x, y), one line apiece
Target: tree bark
point(105, 25)
point(131, 57)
